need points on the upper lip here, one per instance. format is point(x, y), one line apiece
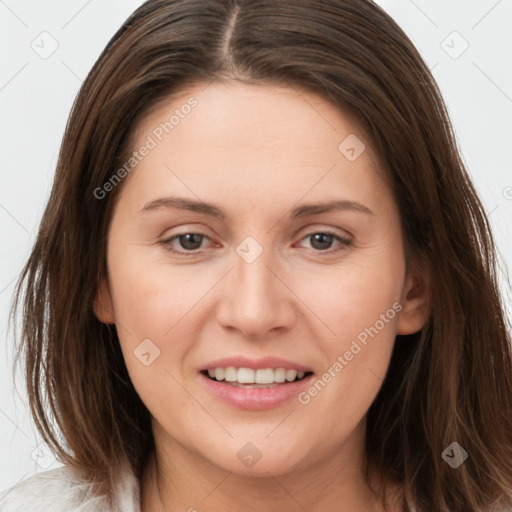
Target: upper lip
point(255, 364)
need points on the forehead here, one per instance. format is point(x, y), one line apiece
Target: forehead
point(243, 142)
point(236, 115)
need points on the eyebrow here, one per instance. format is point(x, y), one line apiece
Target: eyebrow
point(214, 211)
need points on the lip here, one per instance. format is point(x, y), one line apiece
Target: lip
point(255, 364)
point(255, 399)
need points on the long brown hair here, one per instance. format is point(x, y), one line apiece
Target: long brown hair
point(450, 382)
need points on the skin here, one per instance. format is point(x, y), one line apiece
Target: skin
point(257, 152)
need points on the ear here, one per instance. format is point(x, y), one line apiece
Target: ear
point(415, 301)
point(103, 306)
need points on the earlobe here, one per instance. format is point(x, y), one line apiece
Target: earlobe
point(415, 303)
point(103, 306)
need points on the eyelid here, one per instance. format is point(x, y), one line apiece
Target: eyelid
point(344, 240)
point(322, 228)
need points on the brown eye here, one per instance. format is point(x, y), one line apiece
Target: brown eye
point(185, 243)
point(322, 241)
point(190, 241)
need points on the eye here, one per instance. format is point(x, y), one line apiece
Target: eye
point(190, 242)
point(322, 240)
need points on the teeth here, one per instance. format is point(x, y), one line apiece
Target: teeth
point(291, 375)
point(264, 376)
point(250, 376)
point(279, 375)
point(231, 374)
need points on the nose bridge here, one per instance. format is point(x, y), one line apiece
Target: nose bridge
point(254, 280)
point(257, 300)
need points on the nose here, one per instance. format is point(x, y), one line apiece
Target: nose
point(256, 299)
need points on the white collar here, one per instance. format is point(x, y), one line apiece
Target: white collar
point(62, 490)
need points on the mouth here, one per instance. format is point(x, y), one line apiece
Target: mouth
point(230, 386)
point(249, 378)
point(255, 383)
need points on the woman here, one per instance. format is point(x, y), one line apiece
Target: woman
point(268, 281)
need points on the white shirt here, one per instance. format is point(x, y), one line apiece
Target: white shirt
point(62, 490)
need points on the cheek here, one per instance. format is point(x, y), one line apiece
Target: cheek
point(353, 296)
point(151, 322)
point(360, 305)
point(153, 306)
point(150, 298)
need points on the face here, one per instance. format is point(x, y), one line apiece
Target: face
point(221, 258)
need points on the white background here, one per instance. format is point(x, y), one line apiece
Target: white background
point(36, 95)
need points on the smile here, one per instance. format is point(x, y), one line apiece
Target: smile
point(248, 377)
point(252, 396)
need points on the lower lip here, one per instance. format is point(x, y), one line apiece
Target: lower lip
point(255, 398)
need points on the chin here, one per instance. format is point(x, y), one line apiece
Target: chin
point(249, 460)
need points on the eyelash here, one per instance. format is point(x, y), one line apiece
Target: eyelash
point(343, 241)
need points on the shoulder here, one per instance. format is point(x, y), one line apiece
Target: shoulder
point(61, 490)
